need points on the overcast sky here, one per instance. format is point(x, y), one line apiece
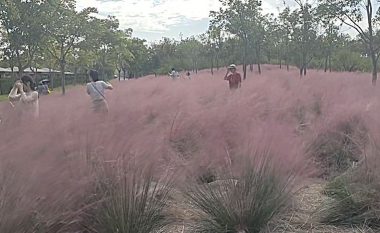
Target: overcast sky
point(153, 19)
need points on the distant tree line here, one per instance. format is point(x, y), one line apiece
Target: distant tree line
point(53, 34)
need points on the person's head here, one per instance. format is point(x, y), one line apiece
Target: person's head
point(173, 69)
point(94, 75)
point(28, 83)
point(232, 68)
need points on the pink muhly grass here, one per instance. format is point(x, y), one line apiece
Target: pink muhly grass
point(189, 126)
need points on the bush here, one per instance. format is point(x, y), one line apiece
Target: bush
point(355, 199)
point(355, 195)
point(336, 150)
point(129, 201)
point(243, 205)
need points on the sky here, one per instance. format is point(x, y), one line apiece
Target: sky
point(154, 19)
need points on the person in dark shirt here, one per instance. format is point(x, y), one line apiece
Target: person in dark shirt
point(233, 77)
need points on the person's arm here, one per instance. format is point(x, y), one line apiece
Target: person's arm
point(226, 77)
point(107, 85)
point(13, 94)
point(29, 98)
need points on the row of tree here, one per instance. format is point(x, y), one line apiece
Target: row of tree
point(303, 35)
point(53, 34)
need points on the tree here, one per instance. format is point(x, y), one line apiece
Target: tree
point(65, 29)
point(285, 32)
point(216, 42)
point(122, 56)
point(329, 39)
point(350, 13)
point(22, 23)
point(190, 50)
point(304, 25)
point(239, 18)
point(140, 65)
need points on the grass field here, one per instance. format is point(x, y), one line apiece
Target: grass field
point(279, 139)
point(3, 97)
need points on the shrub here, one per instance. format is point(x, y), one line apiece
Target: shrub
point(243, 205)
point(355, 198)
point(336, 150)
point(129, 201)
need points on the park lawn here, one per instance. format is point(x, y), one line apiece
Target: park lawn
point(3, 97)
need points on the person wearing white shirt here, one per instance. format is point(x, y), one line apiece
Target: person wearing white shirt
point(96, 89)
point(24, 97)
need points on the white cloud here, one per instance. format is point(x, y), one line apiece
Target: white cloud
point(152, 15)
point(152, 19)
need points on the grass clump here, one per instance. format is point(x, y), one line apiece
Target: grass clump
point(336, 150)
point(354, 203)
point(129, 201)
point(245, 205)
point(355, 198)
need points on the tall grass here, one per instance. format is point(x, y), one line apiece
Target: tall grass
point(245, 205)
point(355, 196)
point(129, 200)
point(337, 149)
point(16, 209)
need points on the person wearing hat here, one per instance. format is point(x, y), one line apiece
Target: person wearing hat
point(233, 77)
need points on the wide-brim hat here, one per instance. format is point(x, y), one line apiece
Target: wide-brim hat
point(232, 66)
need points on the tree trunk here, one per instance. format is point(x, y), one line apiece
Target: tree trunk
point(326, 63)
point(212, 66)
point(124, 73)
point(75, 76)
point(330, 69)
point(258, 54)
point(287, 64)
point(369, 9)
point(217, 61)
point(1, 88)
point(245, 59)
point(62, 66)
point(251, 67)
point(51, 79)
point(374, 69)
point(244, 71)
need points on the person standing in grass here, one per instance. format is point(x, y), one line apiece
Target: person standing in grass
point(24, 97)
point(233, 77)
point(95, 89)
point(173, 74)
point(188, 74)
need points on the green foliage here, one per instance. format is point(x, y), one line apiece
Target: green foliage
point(335, 150)
point(243, 205)
point(355, 198)
point(129, 200)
